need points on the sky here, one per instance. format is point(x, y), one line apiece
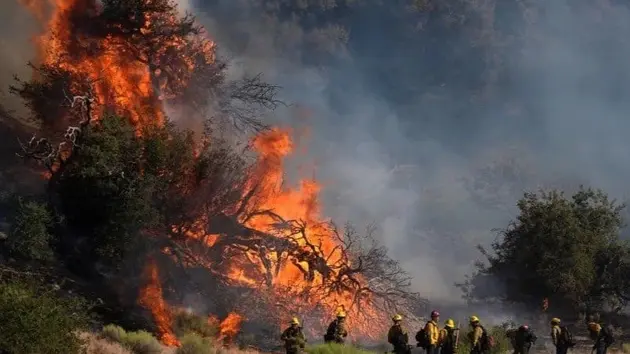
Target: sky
point(408, 129)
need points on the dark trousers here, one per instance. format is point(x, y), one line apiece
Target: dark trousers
point(522, 350)
point(433, 349)
point(601, 349)
point(561, 349)
point(401, 350)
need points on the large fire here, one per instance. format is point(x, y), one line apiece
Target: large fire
point(136, 83)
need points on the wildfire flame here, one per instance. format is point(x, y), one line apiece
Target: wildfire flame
point(135, 86)
point(229, 327)
point(151, 298)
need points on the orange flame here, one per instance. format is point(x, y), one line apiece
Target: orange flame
point(230, 326)
point(151, 298)
point(126, 84)
point(300, 203)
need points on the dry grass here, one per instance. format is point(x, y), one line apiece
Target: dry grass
point(96, 345)
point(101, 344)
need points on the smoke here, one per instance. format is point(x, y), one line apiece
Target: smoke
point(431, 130)
point(435, 132)
point(17, 29)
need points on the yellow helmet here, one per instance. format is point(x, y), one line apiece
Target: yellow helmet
point(474, 319)
point(341, 314)
point(397, 317)
point(449, 323)
point(555, 320)
point(295, 321)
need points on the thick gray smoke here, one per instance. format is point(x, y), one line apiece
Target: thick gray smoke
point(434, 174)
point(17, 30)
point(401, 131)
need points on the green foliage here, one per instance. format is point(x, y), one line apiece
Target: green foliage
point(566, 249)
point(186, 323)
point(193, 343)
point(120, 184)
point(103, 192)
point(139, 342)
point(334, 348)
point(29, 236)
point(142, 342)
point(35, 320)
point(114, 333)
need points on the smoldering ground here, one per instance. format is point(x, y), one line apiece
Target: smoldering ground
point(431, 126)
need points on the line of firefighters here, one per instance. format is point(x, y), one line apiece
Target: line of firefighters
point(445, 340)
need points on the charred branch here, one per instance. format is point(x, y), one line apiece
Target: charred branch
point(55, 157)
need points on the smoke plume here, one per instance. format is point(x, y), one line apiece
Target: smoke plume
point(432, 145)
point(433, 132)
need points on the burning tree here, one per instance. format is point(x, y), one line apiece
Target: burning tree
point(129, 183)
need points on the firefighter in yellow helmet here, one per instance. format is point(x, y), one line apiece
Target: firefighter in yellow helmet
point(448, 337)
point(337, 331)
point(557, 338)
point(293, 338)
point(480, 341)
point(601, 335)
point(398, 336)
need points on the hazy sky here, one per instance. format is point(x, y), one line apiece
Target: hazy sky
point(395, 133)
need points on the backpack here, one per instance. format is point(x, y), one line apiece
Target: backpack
point(330, 332)
point(422, 337)
point(566, 337)
point(487, 340)
point(609, 338)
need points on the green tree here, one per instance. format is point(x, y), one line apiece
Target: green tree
point(560, 248)
point(29, 236)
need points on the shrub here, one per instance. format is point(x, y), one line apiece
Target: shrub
point(193, 343)
point(33, 320)
point(29, 235)
point(114, 333)
point(140, 342)
point(96, 345)
point(187, 322)
point(334, 348)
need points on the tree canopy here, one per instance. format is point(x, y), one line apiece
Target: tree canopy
point(566, 249)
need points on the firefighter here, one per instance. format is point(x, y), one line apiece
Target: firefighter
point(432, 331)
point(293, 338)
point(524, 338)
point(448, 338)
point(337, 332)
point(558, 337)
point(398, 336)
point(478, 337)
point(602, 336)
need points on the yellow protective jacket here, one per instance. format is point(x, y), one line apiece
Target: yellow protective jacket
point(555, 334)
point(433, 332)
point(475, 336)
